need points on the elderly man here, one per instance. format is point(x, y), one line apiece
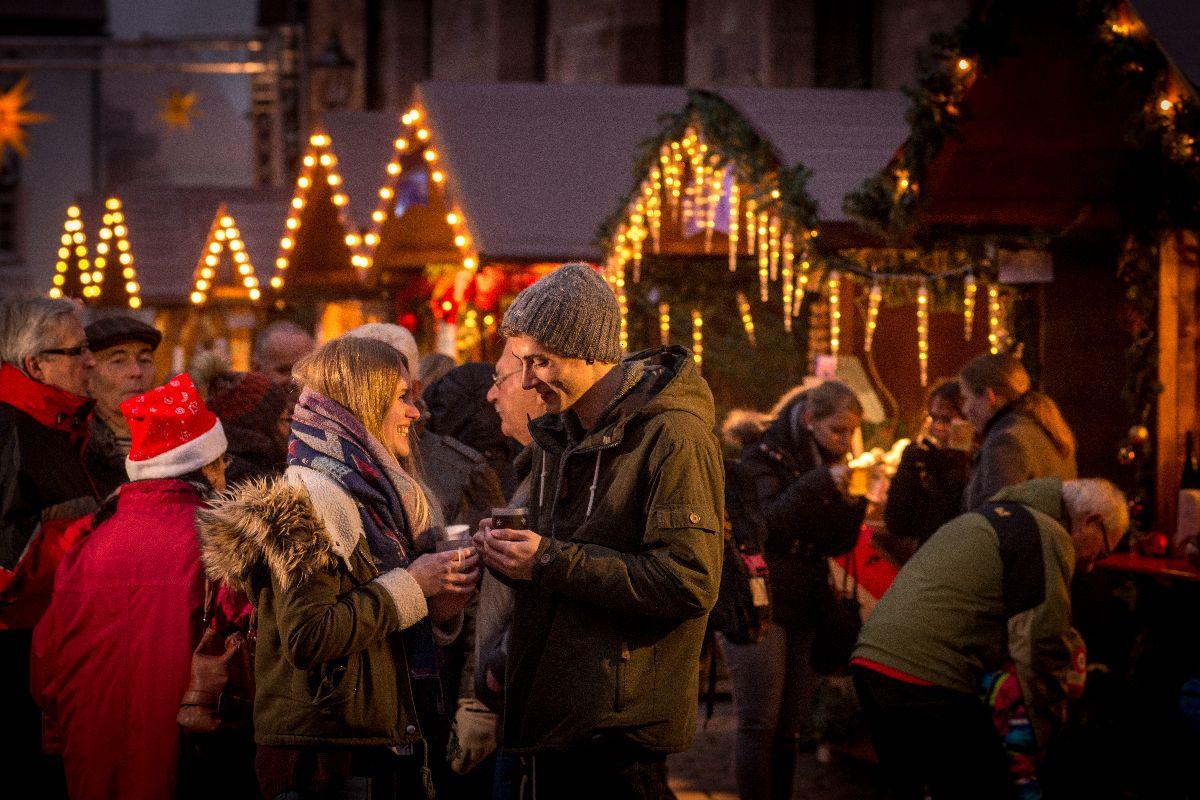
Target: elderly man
point(44, 487)
point(278, 348)
point(619, 565)
point(124, 351)
point(988, 587)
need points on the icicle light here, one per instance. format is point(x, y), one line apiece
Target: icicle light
point(697, 337)
point(664, 324)
point(969, 289)
point(994, 332)
point(873, 300)
point(747, 318)
point(764, 257)
point(788, 277)
point(774, 246)
point(801, 283)
point(923, 331)
point(835, 312)
point(735, 196)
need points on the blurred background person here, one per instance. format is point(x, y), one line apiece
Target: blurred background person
point(926, 491)
point(279, 347)
point(1022, 433)
point(433, 366)
point(111, 665)
point(123, 348)
point(796, 456)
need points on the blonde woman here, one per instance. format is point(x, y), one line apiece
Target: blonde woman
point(336, 556)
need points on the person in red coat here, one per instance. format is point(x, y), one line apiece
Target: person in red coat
point(112, 654)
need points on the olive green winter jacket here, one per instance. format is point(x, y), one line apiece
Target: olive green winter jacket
point(606, 637)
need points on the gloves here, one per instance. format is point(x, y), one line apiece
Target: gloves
point(473, 737)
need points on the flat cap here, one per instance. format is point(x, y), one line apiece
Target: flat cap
point(110, 331)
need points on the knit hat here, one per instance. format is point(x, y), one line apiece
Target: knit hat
point(172, 433)
point(572, 311)
point(108, 332)
point(399, 337)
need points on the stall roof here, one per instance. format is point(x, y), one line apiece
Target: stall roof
point(1176, 26)
point(537, 167)
point(168, 226)
point(843, 136)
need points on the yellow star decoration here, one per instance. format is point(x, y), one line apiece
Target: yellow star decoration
point(178, 109)
point(14, 117)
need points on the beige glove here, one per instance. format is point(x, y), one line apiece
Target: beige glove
point(473, 737)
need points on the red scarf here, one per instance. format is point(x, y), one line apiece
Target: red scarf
point(50, 406)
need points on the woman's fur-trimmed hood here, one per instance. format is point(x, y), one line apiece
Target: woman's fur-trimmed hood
point(271, 521)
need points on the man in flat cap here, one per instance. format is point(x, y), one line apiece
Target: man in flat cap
point(124, 351)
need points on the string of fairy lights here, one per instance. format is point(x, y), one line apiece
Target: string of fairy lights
point(224, 236)
point(88, 281)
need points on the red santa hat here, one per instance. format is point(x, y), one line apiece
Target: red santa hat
point(171, 431)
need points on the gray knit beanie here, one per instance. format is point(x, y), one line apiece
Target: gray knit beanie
point(572, 311)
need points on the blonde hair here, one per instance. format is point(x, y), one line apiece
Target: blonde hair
point(743, 425)
point(361, 375)
point(1008, 379)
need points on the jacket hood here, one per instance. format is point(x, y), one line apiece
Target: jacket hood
point(271, 522)
point(652, 382)
point(1042, 494)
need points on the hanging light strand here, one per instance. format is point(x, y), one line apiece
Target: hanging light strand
point(923, 332)
point(969, 289)
point(664, 324)
point(697, 337)
point(994, 309)
point(835, 313)
point(874, 298)
point(735, 195)
point(764, 257)
point(747, 318)
point(787, 278)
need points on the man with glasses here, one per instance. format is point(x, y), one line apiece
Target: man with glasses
point(44, 488)
point(123, 348)
point(989, 588)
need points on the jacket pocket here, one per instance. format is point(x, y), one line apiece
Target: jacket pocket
point(334, 682)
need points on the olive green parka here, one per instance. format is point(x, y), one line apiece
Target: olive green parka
point(606, 637)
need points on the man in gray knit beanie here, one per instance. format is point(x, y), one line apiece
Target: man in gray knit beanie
point(616, 562)
point(567, 326)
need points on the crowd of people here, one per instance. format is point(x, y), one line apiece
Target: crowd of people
point(494, 580)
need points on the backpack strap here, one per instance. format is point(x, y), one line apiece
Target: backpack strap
point(1020, 542)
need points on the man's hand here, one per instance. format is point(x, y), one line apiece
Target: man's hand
point(511, 553)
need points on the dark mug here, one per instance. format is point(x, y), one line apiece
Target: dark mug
point(513, 519)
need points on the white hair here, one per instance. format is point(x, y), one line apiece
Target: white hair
point(1088, 496)
point(27, 324)
point(399, 337)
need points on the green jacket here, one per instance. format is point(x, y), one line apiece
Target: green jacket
point(965, 603)
point(606, 637)
point(329, 663)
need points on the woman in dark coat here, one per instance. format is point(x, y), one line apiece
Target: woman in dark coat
point(796, 457)
point(927, 489)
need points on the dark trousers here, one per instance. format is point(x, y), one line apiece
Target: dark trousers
point(602, 772)
point(931, 738)
point(21, 758)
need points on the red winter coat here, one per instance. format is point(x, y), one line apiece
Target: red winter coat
point(112, 655)
point(44, 488)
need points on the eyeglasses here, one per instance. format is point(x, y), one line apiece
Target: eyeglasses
point(499, 379)
point(73, 352)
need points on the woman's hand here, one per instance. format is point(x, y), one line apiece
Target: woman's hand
point(452, 572)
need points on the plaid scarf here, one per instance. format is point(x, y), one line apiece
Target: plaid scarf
point(327, 438)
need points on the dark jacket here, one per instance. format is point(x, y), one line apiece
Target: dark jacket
point(113, 653)
point(807, 518)
point(458, 408)
point(606, 637)
point(44, 488)
point(466, 487)
point(1015, 448)
point(926, 491)
point(330, 667)
point(104, 457)
point(969, 599)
